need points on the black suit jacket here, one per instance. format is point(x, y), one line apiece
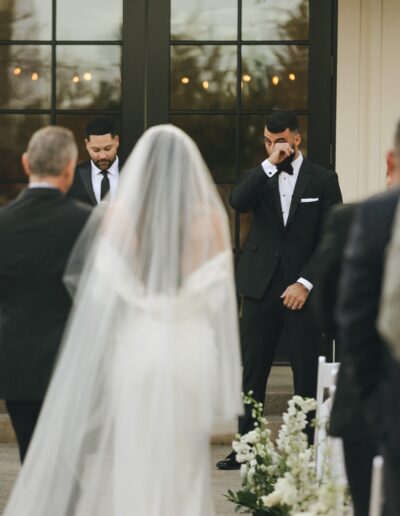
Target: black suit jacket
point(376, 375)
point(329, 259)
point(82, 187)
point(270, 242)
point(37, 233)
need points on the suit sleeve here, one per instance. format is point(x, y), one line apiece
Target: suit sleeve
point(245, 196)
point(331, 195)
point(328, 264)
point(359, 293)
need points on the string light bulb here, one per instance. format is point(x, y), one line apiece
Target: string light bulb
point(17, 70)
point(185, 80)
point(206, 85)
point(35, 76)
point(87, 76)
point(275, 80)
point(75, 79)
point(292, 77)
point(246, 77)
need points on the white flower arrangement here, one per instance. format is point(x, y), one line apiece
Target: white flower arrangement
point(279, 478)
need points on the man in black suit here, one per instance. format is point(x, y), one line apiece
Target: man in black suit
point(347, 418)
point(37, 233)
point(376, 375)
point(99, 176)
point(290, 198)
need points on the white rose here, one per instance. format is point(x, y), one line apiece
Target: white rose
point(272, 499)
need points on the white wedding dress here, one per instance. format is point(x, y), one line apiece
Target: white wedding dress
point(150, 361)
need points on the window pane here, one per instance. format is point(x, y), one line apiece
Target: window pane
point(88, 77)
point(96, 20)
point(77, 124)
point(14, 140)
point(215, 137)
point(25, 77)
point(252, 149)
point(275, 77)
point(275, 19)
point(203, 77)
point(204, 19)
point(9, 191)
point(20, 19)
point(225, 192)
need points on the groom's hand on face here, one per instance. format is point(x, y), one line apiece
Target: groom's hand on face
point(295, 296)
point(280, 151)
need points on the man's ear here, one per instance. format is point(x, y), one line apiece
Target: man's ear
point(25, 164)
point(116, 139)
point(297, 140)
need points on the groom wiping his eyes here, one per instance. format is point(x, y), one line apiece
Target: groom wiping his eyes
point(289, 197)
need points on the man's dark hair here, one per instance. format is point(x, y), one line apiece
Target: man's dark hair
point(279, 121)
point(100, 126)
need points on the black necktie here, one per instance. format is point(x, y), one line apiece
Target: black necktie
point(105, 184)
point(285, 167)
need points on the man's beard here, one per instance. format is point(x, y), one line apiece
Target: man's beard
point(104, 164)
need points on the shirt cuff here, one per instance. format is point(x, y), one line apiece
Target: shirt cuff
point(269, 168)
point(309, 286)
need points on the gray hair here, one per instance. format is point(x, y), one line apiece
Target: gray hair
point(50, 149)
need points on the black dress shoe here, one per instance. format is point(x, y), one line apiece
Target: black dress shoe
point(229, 462)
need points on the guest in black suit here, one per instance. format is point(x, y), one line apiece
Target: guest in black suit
point(375, 372)
point(347, 418)
point(290, 198)
point(37, 233)
point(99, 176)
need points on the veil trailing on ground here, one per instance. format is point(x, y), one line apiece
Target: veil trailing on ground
point(150, 358)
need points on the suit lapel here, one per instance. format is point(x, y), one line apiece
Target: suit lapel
point(301, 185)
point(86, 176)
point(274, 185)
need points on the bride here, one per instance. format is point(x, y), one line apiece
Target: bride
point(150, 360)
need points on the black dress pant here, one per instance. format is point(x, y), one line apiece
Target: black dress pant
point(358, 456)
point(391, 482)
point(262, 323)
point(24, 416)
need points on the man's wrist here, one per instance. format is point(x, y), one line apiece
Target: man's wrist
point(306, 284)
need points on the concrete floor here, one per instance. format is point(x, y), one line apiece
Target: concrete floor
point(221, 480)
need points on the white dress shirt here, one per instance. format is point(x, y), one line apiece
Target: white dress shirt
point(287, 182)
point(42, 184)
point(97, 178)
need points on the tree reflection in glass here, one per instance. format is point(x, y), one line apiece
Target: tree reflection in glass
point(25, 19)
point(284, 20)
point(203, 77)
point(275, 77)
point(95, 20)
point(204, 20)
point(25, 77)
point(14, 141)
point(88, 77)
point(215, 137)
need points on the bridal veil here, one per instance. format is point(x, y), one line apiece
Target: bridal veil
point(150, 358)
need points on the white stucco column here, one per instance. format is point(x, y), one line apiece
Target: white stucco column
point(368, 92)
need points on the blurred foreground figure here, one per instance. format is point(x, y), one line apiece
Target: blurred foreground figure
point(150, 363)
point(372, 371)
point(37, 233)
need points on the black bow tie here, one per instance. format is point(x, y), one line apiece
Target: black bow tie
point(285, 167)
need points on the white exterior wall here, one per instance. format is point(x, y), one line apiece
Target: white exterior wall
point(368, 93)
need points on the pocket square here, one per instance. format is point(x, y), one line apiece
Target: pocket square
point(310, 199)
